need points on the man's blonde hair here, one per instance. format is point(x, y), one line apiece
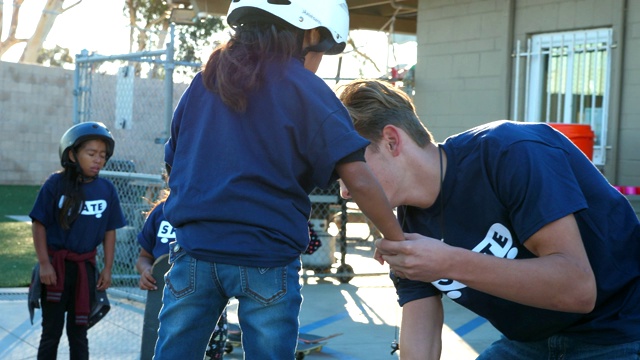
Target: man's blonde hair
point(374, 104)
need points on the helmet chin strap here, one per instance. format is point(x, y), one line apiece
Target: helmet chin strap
point(321, 47)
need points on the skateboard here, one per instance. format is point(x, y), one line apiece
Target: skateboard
point(152, 308)
point(307, 343)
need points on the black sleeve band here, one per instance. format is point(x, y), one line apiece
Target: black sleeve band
point(357, 155)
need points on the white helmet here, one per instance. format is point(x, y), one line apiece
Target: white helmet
point(332, 15)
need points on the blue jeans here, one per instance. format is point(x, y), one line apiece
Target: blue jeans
point(559, 347)
point(197, 291)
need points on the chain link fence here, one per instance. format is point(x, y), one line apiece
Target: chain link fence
point(131, 96)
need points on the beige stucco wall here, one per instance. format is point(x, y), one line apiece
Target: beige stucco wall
point(464, 66)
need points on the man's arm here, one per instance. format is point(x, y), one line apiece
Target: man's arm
point(560, 278)
point(368, 194)
point(109, 246)
point(421, 329)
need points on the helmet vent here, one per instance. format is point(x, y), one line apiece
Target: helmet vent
point(279, 2)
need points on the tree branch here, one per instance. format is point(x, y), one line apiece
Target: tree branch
point(365, 56)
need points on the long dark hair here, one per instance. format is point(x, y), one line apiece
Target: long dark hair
point(71, 189)
point(164, 194)
point(238, 66)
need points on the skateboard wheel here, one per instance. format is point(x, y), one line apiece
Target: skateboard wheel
point(346, 273)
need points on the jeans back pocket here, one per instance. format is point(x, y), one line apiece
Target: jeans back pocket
point(264, 285)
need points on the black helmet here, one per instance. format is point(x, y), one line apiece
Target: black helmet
point(82, 132)
point(99, 308)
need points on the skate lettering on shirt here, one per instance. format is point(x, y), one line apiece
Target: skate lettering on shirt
point(497, 242)
point(166, 232)
point(94, 207)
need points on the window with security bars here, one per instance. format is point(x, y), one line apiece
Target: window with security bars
point(566, 80)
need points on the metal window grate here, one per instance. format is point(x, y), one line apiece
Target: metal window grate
point(564, 77)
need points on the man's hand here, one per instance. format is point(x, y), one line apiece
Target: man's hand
point(417, 258)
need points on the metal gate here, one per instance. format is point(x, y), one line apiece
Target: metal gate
point(134, 96)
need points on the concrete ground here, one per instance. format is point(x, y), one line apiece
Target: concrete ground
point(364, 311)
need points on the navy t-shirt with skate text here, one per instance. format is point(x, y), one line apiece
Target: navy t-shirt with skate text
point(156, 233)
point(504, 182)
point(100, 213)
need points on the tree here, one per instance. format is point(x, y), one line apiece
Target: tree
point(149, 20)
point(33, 47)
point(57, 57)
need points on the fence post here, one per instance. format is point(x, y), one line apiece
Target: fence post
point(168, 85)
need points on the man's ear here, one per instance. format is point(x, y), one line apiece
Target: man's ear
point(392, 139)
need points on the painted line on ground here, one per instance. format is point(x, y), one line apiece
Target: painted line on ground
point(323, 322)
point(470, 326)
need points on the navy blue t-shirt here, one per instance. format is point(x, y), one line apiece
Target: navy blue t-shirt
point(100, 213)
point(156, 233)
point(240, 181)
point(504, 181)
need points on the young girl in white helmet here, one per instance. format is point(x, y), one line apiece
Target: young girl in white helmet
point(74, 213)
point(251, 137)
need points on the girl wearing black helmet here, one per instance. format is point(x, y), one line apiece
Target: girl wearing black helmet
point(74, 212)
point(252, 136)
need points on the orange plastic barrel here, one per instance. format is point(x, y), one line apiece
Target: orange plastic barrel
point(580, 134)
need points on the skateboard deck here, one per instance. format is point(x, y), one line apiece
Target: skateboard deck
point(307, 343)
point(152, 309)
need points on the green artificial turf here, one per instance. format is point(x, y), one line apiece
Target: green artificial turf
point(17, 255)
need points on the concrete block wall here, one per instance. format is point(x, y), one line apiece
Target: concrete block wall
point(36, 107)
point(463, 61)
